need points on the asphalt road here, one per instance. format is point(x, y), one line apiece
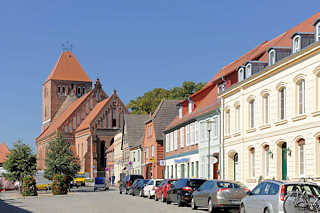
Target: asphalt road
point(87, 202)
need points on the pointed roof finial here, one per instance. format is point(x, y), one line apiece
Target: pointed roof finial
point(98, 83)
point(114, 91)
point(67, 47)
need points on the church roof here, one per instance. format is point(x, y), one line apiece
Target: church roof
point(56, 124)
point(68, 68)
point(4, 151)
point(93, 114)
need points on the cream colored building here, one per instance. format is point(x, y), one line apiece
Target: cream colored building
point(118, 157)
point(271, 117)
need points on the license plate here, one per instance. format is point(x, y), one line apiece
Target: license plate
point(234, 201)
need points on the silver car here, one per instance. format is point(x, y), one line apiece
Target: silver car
point(269, 196)
point(216, 194)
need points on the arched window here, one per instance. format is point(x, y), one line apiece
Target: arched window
point(266, 157)
point(300, 156)
point(251, 114)
point(63, 91)
point(318, 31)
point(235, 166)
point(79, 91)
point(266, 108)
point(296, 44)
point(59, 90)
point(272, 57)
point(301, 96)
point(252, 162)
point(83, 90)
point(248, 70)
point(241, 75)
point(282, 103)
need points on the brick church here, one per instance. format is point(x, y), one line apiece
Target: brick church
point(86, 116)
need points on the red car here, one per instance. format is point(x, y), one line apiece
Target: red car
point(161, 191)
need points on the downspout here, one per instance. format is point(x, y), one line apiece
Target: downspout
point(222, 138)
point(164, 155)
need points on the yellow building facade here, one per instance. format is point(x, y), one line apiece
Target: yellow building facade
point(271, 121)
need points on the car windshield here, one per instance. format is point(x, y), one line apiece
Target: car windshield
point(309, 189)
point(196, 182)
point(150, 182)
point(227, 185)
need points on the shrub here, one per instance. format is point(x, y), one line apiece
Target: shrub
point(29, 186)
point(59, 185)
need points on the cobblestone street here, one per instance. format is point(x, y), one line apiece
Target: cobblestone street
point(86, 202)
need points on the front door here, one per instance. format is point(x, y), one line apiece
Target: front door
point(284, 161)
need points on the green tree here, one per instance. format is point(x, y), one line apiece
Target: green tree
point(21, 162)
point(148, 103)
point(60, 159)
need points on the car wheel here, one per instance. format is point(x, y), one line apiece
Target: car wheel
point(162, 198)
point(210, 206)
point(179, 199)
point(266, 210)
point(193, 204)
point(242, 209)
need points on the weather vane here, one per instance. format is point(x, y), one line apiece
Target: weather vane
point(67, 46)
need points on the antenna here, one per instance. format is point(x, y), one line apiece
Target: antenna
point(67, 46)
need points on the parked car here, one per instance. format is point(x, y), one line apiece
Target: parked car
point(137, 188)
point(150, 189)
point(269, 196)
point(79, 179)
point(181, 191)
point(101, 184)
point(218, 194)
point(127, 181)
point(134, 184)
point(161, 191)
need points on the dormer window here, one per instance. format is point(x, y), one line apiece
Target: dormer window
point(272, 57)
point(248, 70)
point(318, 31)
point(180, 111)
point(296, 44)
point(190, 105)
point(241, 74)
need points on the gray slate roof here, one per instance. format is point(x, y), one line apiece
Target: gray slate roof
point(163, 116)
point(134, 129)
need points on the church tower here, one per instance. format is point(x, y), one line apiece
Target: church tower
point(66, 82)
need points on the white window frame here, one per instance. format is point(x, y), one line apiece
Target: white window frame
point(175, 139)
point(191, 133)
point(251, 114)
point(190, 106)
point(228, 122)
point(167, 143)
point(266, 107)
point(282, 116)
point(196, 135)
point(317, 34)
point(238, 119)
point(152, 151)
point(318, 91)
point(241, 74)
point(272, 57)
point(182, 136)
point(248, 70)
point(171, 141)
point(301, 102)
point(252, 162)
point(297, 48)
point(188, 135)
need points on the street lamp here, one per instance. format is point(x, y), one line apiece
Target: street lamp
point(208, 122)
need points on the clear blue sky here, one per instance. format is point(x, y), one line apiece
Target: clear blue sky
point(134, 45)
